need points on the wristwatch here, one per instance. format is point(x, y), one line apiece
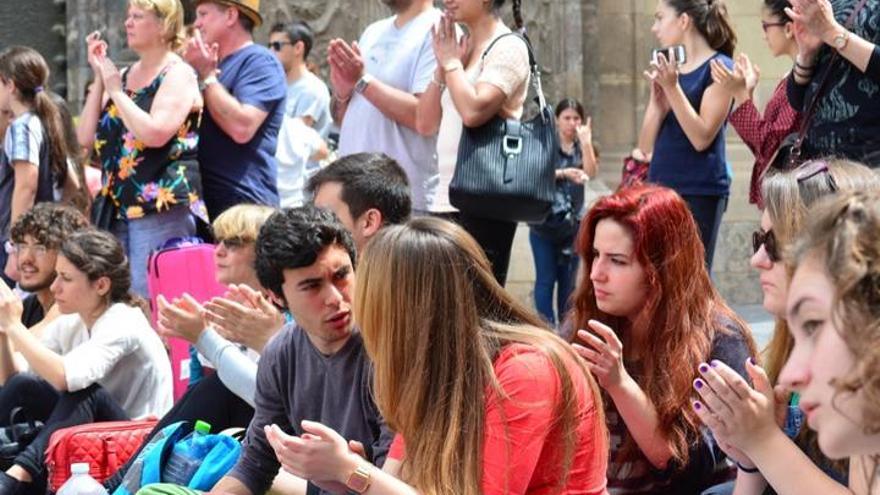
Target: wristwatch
point(204, 83)
point(362, 83)
point(841, 40)
point(359, 479)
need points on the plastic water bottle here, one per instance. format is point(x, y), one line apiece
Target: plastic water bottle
point(186, 456)
point(80, 483)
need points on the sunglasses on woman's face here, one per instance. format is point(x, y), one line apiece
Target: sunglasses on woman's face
point(233, 243)
point(768, 240)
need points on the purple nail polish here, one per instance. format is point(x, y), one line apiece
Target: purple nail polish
point(752, 361)
point(698, 406)
point(698, 384)
point(703, 368)
point(715, 363)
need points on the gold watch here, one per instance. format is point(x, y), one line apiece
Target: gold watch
point(841, 40)
point(359, 479)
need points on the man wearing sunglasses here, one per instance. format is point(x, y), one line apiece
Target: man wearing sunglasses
point(301, 140)
point(308, 97)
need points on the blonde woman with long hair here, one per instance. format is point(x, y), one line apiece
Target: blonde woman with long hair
point(483, 397)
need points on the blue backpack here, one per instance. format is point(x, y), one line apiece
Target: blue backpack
point(147, 467)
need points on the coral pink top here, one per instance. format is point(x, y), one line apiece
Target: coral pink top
point(522, 448)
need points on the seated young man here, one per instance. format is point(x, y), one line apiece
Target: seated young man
point(36, 236)
point(317, 368)
point(366, 191)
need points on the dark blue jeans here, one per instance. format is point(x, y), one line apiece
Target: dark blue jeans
point(707, 212)
point(555, 267)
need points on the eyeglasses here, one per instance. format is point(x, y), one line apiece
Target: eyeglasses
point(38, 250)
point(277, 45)
point(767, 25)
point(234, 243)
point(768, 240)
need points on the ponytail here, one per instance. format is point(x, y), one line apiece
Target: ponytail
point(47, 112)
point(518, 23)
point(29, 72)
point(719, 30)
point(711, 19)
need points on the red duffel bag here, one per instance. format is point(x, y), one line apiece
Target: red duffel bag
point(106, 446)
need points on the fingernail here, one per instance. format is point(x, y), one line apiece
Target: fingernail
point(752, 361)
point(698, 384)
point(703, 368)
point(715, 363)
point(698, 406)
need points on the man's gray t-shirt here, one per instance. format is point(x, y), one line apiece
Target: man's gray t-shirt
point(308, 96)
point(296, 382)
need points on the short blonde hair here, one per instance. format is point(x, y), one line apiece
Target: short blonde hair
point(170, 13)
point(241, 221)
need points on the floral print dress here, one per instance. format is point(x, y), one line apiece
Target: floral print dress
point(140, 180)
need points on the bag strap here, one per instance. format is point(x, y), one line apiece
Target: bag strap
point(823, 83)
point(534, 69)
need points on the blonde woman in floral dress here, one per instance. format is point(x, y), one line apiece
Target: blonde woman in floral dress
point(143, 125)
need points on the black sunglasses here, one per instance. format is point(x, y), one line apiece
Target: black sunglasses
point(768, 240)
point(277, 45)
point(234, 242)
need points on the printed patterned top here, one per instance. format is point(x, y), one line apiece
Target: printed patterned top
point(141, 180)
point(764, 134)
point(845, 122)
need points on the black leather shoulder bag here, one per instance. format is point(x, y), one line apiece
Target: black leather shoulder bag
point(506, 167)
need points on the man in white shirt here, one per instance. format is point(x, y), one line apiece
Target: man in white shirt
point(377, 83)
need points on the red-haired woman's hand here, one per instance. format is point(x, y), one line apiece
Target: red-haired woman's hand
point(731, 408)
point(604, 355)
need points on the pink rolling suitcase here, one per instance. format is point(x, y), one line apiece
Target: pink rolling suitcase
point(182, 265)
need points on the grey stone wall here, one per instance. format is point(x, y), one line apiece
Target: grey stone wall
point(594, 50)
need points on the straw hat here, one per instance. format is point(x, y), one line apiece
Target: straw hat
point(250, 8)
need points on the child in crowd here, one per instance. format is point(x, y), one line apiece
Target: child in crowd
point(35, 143)
point(653, 315)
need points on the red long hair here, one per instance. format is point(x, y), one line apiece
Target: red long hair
point(675, 328)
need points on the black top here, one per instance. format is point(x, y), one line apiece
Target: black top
point(33, 311)
point(846, 122)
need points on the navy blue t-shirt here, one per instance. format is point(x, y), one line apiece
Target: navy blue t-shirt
point(676, 163)
point(235, 173)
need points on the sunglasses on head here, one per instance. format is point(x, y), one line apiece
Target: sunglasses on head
point(768, 240)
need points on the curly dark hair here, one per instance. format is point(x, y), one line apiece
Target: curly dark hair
point(49, 224)
point(294, 238)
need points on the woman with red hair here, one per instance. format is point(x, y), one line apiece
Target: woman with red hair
point(653, 315)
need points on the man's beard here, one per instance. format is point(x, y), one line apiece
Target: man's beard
point(37, 285)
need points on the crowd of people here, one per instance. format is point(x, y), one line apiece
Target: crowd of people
point(365, 341)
